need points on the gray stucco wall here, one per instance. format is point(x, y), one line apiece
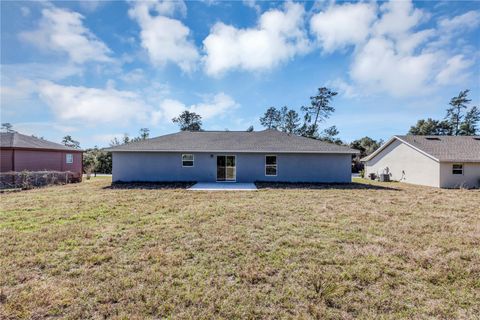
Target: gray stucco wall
point(163, 166)
point(469, 179)
point(405, 164)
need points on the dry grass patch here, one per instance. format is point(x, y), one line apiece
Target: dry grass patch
point(89, 251)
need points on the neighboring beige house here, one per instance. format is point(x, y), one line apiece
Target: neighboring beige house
point(437, 161)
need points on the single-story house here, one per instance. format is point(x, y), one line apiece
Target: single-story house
point(437, 161)
point(19, 152)
point(241, 156)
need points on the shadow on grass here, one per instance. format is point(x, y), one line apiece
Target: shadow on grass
point(310, 185)
point(151, 185)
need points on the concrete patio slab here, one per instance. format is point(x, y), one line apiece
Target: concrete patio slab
point(223, 186)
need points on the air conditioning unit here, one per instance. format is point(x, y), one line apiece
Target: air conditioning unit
point(384, 177)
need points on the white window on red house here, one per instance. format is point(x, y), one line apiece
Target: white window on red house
point(69, 158)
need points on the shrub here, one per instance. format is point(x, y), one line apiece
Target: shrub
point(29, 179)
point(25, 180)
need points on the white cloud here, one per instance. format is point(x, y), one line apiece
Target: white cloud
point(170, 108)
point(387, 62)
point(73, 104)
point(25, 11)
point(91, 5)
point(19, 81)
point(62, 30)
point(393, 54)
point(77, 103)
point(161, 7)
point(278, 37)
point(155, 92)
point(468, 20)
point(133, 76)
point(252, 4)
point(398, 18)
point(342, 25)
point(105, 139)
point(453, 28)
point(165, 39)
point(378, 67)
point(48, 71)
point(216, 105)
point(32, 128)
point(16, 91)
point(407, 43)
point(213, 106)
point(344, 88)
point(454, 71)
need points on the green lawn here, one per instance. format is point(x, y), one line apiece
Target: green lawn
point(389, 251)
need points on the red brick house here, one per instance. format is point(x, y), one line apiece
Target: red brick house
point(19, 152)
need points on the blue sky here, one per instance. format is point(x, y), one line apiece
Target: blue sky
point(98, 69)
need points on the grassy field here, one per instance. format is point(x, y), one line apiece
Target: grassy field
point(382, 251)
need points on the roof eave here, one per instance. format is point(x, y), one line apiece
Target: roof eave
point(237, 151)
point(460, 160)
point(42, 149)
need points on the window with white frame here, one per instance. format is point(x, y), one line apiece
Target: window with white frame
point(270, 165)
point(69, 158)
point(457, 169)
point(187, 160)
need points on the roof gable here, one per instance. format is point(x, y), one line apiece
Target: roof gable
point(233, 141)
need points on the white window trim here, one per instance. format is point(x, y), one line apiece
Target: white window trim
point(458, 164)
point(67, 156)
point(276, 165)
point(193, 160)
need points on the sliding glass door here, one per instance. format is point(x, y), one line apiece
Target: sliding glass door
point(226, 168)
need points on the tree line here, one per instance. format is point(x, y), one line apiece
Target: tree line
point(285, 119)
point(306, 124)
point(144, 134)
point(97, 160)
point(460, 120)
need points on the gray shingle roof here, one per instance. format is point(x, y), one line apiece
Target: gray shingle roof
point(18, 140)
point(233, 141)
point(444, 148)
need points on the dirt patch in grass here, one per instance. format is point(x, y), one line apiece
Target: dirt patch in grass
point(90, 251)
